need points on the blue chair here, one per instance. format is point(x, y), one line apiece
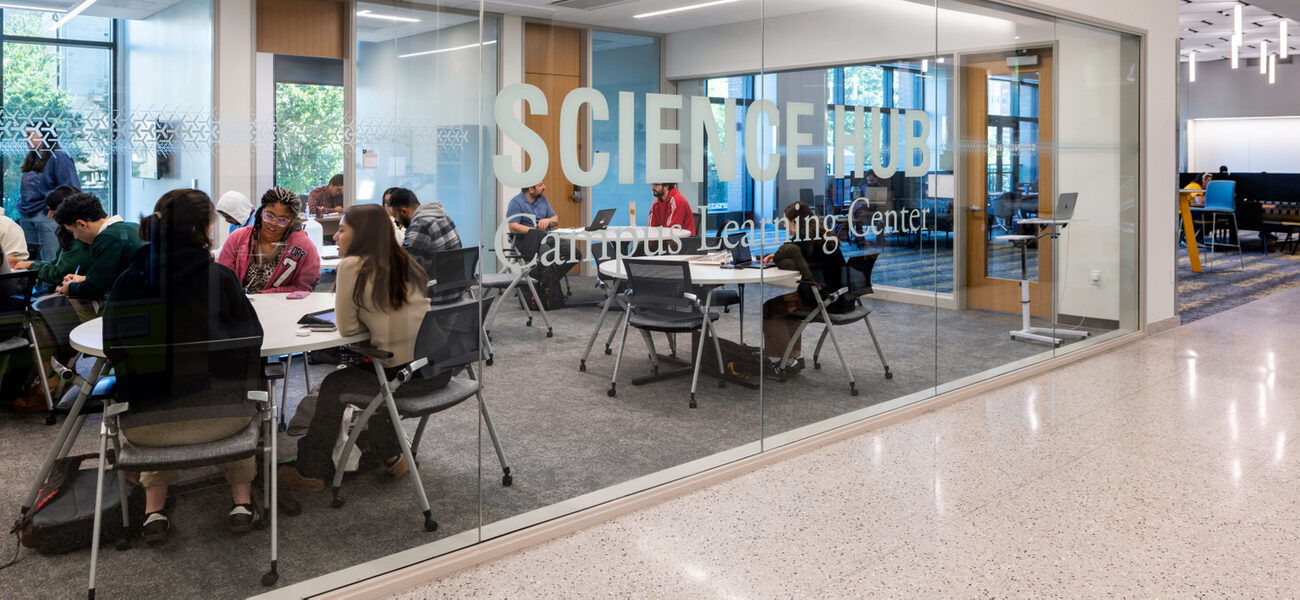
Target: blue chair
point(1220, 200)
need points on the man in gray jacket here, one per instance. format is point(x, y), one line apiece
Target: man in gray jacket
point(428, 230)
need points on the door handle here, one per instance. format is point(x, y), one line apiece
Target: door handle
point(976, 208)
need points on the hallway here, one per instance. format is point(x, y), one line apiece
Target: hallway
point(1165, 468)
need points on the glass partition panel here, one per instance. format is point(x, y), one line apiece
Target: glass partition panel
point(859, 148)
point(609, 144)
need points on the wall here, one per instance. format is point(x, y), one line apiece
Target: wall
point(168, 60)
point(233, 60)
point(1220, 91)
point(1253, 145)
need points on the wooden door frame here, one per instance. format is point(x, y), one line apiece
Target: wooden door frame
point(979, 290)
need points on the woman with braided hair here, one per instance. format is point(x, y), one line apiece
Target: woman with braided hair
point(273, 254)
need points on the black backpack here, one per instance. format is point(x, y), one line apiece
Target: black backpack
point(547, 283)
point(62, 519)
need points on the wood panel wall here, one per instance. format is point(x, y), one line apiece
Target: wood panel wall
point(302, 27)
point(553, 62)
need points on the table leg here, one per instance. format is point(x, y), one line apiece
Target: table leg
point(1185, 209)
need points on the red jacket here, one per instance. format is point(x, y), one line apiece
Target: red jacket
point(671, 210)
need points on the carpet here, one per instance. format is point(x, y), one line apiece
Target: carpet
point(1224, 282)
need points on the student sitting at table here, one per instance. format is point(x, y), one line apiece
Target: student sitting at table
point(273, 254)
point(429, 229)
point(670, 208)
point(805, 252)
point(74, 255)
point(1204, 183)
point(189, 298)
point(13, 243)
point(326, 199)
point(236, 209)
point(380, 290)
point(111, 241)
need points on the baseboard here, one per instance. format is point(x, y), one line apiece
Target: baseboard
point(1164, 325)
point(1073, 321)
point(403, 577)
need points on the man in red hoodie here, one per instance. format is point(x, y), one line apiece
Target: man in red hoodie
point(670, 208)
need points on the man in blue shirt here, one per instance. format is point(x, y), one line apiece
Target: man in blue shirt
point(531, 210)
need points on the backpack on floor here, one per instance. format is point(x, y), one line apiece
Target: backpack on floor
point(62, 519)
point(741, 364)
point(548, 287)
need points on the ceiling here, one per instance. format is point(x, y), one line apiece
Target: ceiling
point(121, 9)
point(1206, 26)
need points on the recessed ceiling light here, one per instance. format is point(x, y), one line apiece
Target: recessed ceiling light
point(26, 7)
point(370, 15)
point(441, 50)
point(682, 8)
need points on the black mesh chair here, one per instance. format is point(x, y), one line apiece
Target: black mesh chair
point(179, 382)
point(847, 302)
point(17, 333)
point(526, 247)
point(603, 253)
point(660, 298)
point(452, 278)
point(448, 341)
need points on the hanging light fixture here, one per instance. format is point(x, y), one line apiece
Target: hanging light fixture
point(1272, 69)
point(1281, 39)
point(1234, 51)
point(1263, 57)
point(1191, 67)
point(1236, 24)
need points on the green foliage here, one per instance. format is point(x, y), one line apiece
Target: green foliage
point(309, 135)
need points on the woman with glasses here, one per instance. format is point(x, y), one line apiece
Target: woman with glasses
point(273, 254)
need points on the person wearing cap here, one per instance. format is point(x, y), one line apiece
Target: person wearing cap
point(236, 209)
point(274, 254)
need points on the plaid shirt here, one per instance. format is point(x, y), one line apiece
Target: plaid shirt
point(321, 197)
point(430, 231)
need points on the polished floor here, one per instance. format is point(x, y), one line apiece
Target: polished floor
point(1165, 468)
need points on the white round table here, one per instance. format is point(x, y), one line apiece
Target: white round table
point(623, 233)
point(278, 315)
point(711, 274)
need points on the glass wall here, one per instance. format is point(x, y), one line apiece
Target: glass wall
point(932, 194)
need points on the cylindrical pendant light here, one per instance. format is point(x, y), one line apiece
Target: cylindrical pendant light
point(1272, 69)
point(1191, 67)
point(1236, 24)
point(1234, 51)
point(1263, 57)
point(1281, 39)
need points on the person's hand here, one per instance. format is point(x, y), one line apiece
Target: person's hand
point(63, 289)
point(70, 278)
point(22, 265)
point(14, 261)
point(769, 259)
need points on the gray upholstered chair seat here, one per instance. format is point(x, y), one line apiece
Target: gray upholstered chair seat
point(672, 321)
point(499, 280)
point(857, 314)
point(457, 390)
point(240, 445)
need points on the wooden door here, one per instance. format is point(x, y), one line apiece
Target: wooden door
point(998, 289)
point(553, 63)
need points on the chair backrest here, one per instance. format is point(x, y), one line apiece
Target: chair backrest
point(15, 298)
point(60, 317)
point(658, 283)
point(693, 244)
point(168, 379)
point(1221, 195)
point(450, 336)
point(857, 274)
point(453, 271)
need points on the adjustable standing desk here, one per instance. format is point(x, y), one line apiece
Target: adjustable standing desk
point(1046, 228)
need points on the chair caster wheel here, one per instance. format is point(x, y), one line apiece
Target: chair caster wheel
point(549, 333)
point(889, 374)
point(611, 391)
point(853, 389)
point(123, 544)
point(429, 523)
point(529, 323)
point(270, 578)
point(337, 502)
point(608, 351)
point(693, 405)
point(507, 480)
point(51, 420)
point(489, 361)
point(722, 383)
point(582, 366)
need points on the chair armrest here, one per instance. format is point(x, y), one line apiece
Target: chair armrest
point(410, 369)
point(116, 409)
point(260, 397)
point(369, 351)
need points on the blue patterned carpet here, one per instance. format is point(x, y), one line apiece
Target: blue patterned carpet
point(1224, 283)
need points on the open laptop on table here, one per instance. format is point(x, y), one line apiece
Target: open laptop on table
point(602, 219)
point(740, 255)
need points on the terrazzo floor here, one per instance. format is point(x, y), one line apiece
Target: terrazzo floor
point(1165, 468)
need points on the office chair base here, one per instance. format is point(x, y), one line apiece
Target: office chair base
point(507, 479)
point(612, 391)
point(1046, 335)
point(582, 366)
point(429, 524)
point(272, 576)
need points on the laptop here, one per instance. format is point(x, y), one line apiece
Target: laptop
point(1065, 206)
point(602, 219)
point(740, 256)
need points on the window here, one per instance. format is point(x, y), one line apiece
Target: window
point(308, 135)
point(61, 74)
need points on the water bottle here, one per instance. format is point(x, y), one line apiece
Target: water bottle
point(315, 233)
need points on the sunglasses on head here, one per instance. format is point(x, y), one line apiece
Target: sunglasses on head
point(278, 221)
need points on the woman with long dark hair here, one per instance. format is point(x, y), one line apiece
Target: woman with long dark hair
point(381, 290)
point(805, 251)
point(187, 298)
point(45, 168)
point(273, 254)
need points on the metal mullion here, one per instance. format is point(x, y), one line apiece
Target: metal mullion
point(56, 41)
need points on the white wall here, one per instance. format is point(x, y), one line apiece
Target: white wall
point(235, 32)
point(1245, 145)
point(168, 60)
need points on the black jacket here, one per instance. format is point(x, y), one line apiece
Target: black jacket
point(182, 336)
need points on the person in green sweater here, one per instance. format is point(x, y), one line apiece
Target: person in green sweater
point(74, 256)
point(111, 242)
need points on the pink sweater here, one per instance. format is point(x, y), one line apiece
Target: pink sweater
point(299, 267)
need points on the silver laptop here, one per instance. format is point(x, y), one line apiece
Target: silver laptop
point(1065, 206)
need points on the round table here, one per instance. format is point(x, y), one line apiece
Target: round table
point(711, 274)
point(623, 233)
point(278, 315)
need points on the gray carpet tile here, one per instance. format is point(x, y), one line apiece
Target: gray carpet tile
point(1225, 282)
point(563, 435)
